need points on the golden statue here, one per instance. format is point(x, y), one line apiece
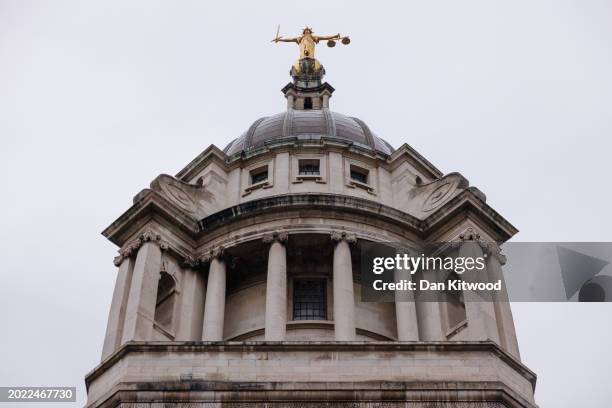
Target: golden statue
point(307, 42)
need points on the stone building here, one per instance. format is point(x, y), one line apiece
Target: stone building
point(238, 279)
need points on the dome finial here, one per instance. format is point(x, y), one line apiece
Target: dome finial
point(307, 90)
point(307, 43)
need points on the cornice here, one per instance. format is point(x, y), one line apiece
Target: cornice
point(153, 205)
point(292, 143)
point(416, 159)
point(471, 202)
point(211, 154)
point(305, 346)
point(310, 201)
point(150, 203)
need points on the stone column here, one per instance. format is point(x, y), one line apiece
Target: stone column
point(430, 321)
point(276, 288)
point(116, 316)
point(214, 309)
point(405, 310)
point(503, 313)
point(344, 299)
point(479, 308)
point(325, 101)
point(140, 309)
point(193, 293)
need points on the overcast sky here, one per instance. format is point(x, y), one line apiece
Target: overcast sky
point(98, 98)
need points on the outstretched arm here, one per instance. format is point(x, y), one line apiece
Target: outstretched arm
point(327, 37)
point(281, 39)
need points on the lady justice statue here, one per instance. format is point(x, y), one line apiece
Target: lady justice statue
point(307, 42)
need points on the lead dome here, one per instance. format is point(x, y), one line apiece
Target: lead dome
point(308, 125)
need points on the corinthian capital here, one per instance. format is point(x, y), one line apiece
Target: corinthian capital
point(494, 250)
point(212, 253)
point(278, 236)
point(338, 236)
point(190, 261)
point(469, 235)
point(132, 247)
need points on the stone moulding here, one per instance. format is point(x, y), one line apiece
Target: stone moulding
point(307, 201)
point(316, 395)
point(307, 346)
point(151, 204)
point(191, 387)
point(154, 204)
point(465, 201)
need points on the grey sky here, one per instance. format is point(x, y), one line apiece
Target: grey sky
point(97, 98)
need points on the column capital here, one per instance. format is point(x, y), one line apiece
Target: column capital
point(212, 253)
point(190, 261)
point(131, 248)
point(491, 249)
point(278, 236)
point(469, 235)
point(338, 236)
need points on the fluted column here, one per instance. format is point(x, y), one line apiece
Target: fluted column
point(344, 299)
point(276, 288)
point(503, 312)
point(140, 309)
point(214, 309)
point(479, 308)
point(116, 316)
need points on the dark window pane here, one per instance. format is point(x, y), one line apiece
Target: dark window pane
point(309, 169)
point(359, 176)
point(259, 177)
point(309, 300)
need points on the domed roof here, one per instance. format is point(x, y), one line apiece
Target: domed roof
point(308, 124)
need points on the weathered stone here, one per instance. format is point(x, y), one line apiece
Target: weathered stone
point(286, 206)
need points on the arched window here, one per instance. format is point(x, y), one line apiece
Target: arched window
point(166, 296)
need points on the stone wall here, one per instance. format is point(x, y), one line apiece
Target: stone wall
point(257, 369)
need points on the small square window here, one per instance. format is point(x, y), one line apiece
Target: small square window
point(309, 299)
point(359, 174)
point(309, 167)
point(259, 175)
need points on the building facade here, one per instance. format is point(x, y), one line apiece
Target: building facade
point(238, 280)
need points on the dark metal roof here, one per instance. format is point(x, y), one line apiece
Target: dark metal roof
point(312, 124)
